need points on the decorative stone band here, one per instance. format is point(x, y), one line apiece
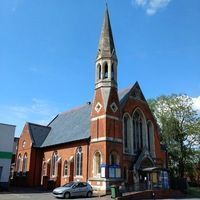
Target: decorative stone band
point(5, 155)
point(109, 139)
point(106, 84)
point(104, 116)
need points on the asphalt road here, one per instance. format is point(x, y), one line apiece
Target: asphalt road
point(48, 196)
point(34, 194)
point(39, 196)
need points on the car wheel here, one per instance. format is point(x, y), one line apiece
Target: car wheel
point(89, 194)
point(67, 195)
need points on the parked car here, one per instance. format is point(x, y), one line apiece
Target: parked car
point(73, 189)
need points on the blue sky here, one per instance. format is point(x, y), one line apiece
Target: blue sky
point(48, 50)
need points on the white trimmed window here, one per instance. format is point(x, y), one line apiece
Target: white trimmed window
point(18, 163)
point(24, 166)
point(138, 131)
point(54, 163)
point(127, 134)
point(65, 168)
point(79, 160)
point(97, 164)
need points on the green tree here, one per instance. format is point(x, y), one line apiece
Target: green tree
point(179, 130)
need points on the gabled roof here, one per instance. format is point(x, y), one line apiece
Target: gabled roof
point(74, 124)
point(38, 133)
point(134, 91)
point(69, 126)
point(123, 93)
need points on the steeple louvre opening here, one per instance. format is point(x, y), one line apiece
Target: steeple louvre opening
point(105, 70)
point(98, 72)
point(112, 72)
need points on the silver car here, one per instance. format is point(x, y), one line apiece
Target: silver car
point(73, 189)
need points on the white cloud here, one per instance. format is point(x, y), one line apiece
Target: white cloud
point(196, 103)
point(151, 6)
point(38, 111)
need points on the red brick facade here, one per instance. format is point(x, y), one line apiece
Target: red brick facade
point(111, 154)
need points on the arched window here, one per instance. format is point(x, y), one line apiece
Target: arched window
point(141, 133)
point(24, 166)
point(23, 144)
point(18, 163)
point(97, 164)
point(150, 138)
point(79, 160)
point(114, 159)
point(127, 133)
point(99, 71)
point(114, 168)
point(44, 168)
point(106, 70)
point(54, 163)
point(112, 72)
point(65, 168)
point(138, 131)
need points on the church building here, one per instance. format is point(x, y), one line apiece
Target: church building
point(112, 140)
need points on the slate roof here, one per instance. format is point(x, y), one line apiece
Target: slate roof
point(106, 46)
point(69, 126)
point(72, 125)
point(134, 90)
point(38, 133)
point(124, 93)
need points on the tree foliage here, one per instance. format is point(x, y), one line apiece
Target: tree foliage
point(179, 130)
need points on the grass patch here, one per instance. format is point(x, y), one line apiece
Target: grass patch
point(193, 192)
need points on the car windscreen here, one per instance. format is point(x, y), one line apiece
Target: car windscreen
point(68, 184)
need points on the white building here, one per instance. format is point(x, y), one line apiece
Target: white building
point(6, 151)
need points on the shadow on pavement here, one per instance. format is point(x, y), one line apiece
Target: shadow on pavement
point(23, 190)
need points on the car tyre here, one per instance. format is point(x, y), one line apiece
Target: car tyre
point(89, 194)
point(67, 195)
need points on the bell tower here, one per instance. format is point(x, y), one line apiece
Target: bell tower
point(105, 105)
point(106, 134)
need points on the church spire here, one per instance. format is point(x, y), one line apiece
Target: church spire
point(106, 48)
point(106, 60)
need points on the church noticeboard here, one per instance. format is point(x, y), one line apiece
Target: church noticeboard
point(114, 171)
point(111, 172)
point(118, 172)
point(103, 170)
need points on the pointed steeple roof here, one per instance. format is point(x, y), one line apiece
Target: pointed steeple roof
point(106, 43)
